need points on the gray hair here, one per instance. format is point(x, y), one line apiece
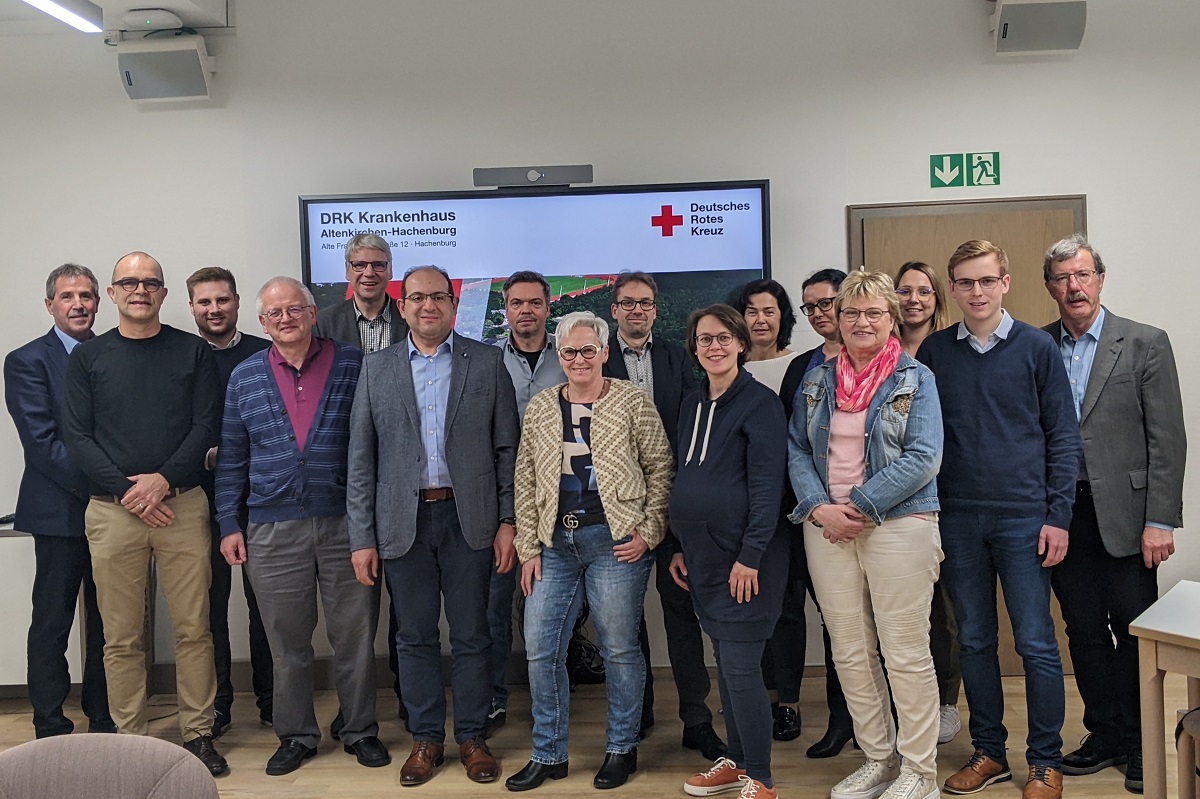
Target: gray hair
point(569, 322)
point(282, 280)
point(70, 270)
point(1065, 250)
point(367, 241)
point(422, 268)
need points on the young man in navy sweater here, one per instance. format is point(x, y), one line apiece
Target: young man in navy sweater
point(1007, 487)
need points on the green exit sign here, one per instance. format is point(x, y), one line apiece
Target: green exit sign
point(964, 169)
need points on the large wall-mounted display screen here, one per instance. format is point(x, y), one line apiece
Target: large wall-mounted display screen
point(701, 241)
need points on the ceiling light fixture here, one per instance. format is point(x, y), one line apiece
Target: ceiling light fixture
point(80, 14)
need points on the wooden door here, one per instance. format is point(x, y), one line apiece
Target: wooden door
point(882, 237)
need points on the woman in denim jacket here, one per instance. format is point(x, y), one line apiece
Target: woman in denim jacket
point(864, 448)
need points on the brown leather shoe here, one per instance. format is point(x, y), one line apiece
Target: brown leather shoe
point(1044, 783)
point(424, 758)
point(478, 760)
point(979, 772)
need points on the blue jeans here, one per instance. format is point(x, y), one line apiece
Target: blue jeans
point(580, 562)
point(499, 617)
point(979, 548)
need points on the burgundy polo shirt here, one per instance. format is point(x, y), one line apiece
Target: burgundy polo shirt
point(303, 388)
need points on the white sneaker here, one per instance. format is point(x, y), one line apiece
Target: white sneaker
point(949, 723)
point(869, 781)
point(912, 786)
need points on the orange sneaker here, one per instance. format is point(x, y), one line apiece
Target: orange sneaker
point(723, 776)
point(753, 789)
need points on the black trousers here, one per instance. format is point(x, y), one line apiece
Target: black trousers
point(783, 659)
point(685, 650)
point(1100, 595)
point(62, 565)
point(262, 670)
point(943, 645)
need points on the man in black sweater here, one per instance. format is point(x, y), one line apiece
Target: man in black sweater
point(214, 302)
point(140, 412)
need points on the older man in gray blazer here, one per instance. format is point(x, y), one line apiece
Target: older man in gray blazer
point(433, 445)
point(1128, 500)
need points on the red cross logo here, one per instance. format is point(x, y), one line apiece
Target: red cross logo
point(666, 221)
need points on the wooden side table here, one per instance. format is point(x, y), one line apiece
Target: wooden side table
point(1169, 641)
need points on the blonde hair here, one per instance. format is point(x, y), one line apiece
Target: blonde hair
point(974, 249)
point(939, 291)
point(860, 284)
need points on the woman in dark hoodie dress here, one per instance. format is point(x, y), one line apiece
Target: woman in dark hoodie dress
point(723, 513)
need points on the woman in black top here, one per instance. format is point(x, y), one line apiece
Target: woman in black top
point(723, 511)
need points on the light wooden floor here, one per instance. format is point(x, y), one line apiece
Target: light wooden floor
point(663, 763)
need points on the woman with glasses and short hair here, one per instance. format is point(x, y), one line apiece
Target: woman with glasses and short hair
point(593, 477)
point(724, 510)
point(864, 449)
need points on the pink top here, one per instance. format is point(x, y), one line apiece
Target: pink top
point(847, 453)
point(302, 389)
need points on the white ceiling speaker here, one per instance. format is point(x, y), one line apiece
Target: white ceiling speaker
point(1038, 27)
point(166, 68)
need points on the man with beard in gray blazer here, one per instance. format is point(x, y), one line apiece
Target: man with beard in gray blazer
point(433, 447)
point(1128, 500)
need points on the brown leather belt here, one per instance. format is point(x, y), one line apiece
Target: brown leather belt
point(436, 494)
point(174, 492)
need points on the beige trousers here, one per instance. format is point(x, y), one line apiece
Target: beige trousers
point(875, 593)
point(121, 545)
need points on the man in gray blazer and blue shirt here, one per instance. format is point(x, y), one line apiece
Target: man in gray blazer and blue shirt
point(433, 447)
point(1128, 500)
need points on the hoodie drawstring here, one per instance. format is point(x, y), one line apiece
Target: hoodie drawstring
point(712, 409)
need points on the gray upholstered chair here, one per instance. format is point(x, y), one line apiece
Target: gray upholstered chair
point(102, 766)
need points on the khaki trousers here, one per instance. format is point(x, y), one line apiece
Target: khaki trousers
point(875, 593)
point(121, 545)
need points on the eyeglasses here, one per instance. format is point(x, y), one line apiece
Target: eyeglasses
point(588, 351)
point(628, 305)
point(1084, 276)
point(438, 297)
point(706, 341)
point(130, 284)
point(292, 311)
point(873, 315)
point(376, 266)
point(985, 283)
point(810, 308)
point(906, 292)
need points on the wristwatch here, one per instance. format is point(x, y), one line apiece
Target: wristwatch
point(509, 520)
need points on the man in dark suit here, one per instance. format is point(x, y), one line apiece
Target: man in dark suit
point(1128, 500)
point(50, 506)
point(433, 448)
point(664, 370)
point(369, 319)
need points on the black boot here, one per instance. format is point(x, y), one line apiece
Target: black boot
point(615, 770)
point(534, 774)
point(840, 733)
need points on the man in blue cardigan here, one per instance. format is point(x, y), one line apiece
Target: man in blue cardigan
point(282, 459)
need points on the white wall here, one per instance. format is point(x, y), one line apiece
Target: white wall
point(835, 103)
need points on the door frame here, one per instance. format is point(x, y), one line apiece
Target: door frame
point(856, 215)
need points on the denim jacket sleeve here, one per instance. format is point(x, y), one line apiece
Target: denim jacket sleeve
point(913, 460)
point(808, 481)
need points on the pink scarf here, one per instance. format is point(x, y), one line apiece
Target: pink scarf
point(855, 391)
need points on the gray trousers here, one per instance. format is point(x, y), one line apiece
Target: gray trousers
point(287, 562)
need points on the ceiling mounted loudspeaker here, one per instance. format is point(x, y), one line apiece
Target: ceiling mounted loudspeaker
point(164, 69)
point(150, 19)
point(1039, 27)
